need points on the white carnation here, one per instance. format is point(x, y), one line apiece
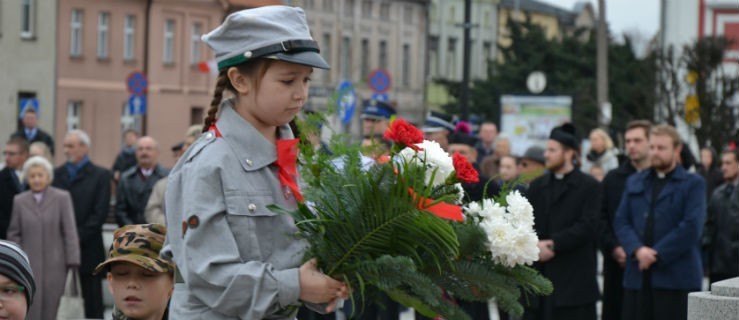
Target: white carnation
point(438, 163)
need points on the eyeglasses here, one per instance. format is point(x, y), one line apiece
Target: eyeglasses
point(11, 292)
point(10, 153)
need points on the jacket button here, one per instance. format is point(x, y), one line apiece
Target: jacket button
point(249, 162)
point(252, 207)
point(209, 135)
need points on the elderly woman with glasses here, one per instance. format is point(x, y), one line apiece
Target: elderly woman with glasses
point(43, 224)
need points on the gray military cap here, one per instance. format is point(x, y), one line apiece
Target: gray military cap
point(274, 32)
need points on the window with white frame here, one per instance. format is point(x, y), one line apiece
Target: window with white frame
point(346, 58)
point(408, 14)
point(434, 55)
point(385, 11)
point(328, 5)
point(129, 30)
point(367, 8)
point(168, 54)
point(197, 31)
point(326, 52)
point(406, 65)
point(103, 21)
point(365, 56)
point(74, 115)
point(487, 51)
point(451, 57)
point(382, 58)
point(75, 39)
point(28, 15)
point(349, 8)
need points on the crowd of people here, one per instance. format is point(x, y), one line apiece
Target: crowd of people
point(659, 226)
point(56, 215)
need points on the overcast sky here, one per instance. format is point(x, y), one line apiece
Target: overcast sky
point(625, 15)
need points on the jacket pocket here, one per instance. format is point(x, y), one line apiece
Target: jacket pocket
point(251, 224)
point(250, 204)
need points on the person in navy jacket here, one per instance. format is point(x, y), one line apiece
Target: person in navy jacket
point(659, 223)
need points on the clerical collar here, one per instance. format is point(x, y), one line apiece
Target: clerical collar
point(662, 175)
point(562, 176)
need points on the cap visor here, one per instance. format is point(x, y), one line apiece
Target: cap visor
point(371, 116)
point(144, 262)
point(433, 129)
point(308, 58)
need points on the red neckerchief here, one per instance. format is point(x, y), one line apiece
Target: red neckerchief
point(215, 130)
point(287, 156)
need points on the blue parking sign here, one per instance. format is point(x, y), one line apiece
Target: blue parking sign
point(346, 101)
point(137, 105)
point(25, 104)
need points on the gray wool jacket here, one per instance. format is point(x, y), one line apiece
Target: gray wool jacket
point(237, 259)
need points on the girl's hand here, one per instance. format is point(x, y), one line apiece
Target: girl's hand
point(316, 287)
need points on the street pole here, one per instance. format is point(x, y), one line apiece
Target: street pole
point(602, 66)
point(147, 29)
point(465, 94)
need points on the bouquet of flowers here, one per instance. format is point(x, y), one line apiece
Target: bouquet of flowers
point(400, 228)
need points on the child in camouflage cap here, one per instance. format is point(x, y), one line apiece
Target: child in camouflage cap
point(140, 280)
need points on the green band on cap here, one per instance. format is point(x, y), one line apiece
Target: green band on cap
point(287, 46)
point(230, 62)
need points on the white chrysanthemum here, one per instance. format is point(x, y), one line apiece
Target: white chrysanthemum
point(438, 163)
point(510, 234)
point(521, 211)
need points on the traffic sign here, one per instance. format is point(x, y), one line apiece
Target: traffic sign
point(380, 97)
point(379, 80)
point(25, 104)
point(136, 83)
point(346, 100)
point(137, 105)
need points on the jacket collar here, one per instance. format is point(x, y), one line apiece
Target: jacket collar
point(645, 184)
point(253, 150)
point(570, 182)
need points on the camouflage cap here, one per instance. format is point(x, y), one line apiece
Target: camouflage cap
point(139, 244)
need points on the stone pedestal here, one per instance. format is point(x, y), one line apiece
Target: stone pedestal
point(721, 303)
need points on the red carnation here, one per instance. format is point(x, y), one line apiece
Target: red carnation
point(464, 170)
point(404, 133)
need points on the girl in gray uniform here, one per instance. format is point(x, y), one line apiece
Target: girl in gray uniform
point(236, 259)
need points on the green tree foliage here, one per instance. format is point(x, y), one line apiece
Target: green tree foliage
point(698, 69)
point(570, 66)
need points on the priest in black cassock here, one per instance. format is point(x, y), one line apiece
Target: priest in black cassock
point(566, 206)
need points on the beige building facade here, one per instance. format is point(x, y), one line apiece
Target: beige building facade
point(101, 43)
point(27, 60)
point(446, 44)
point(359, 36)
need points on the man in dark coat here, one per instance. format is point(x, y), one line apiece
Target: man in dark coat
point(126, 159)
point(31, 132)
point(15, 154)
point(464, 144)
point(566, 206)
point(659, 224)
point(89, 186)
point(137, 183)
point(614, 257)
point(721, 232)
